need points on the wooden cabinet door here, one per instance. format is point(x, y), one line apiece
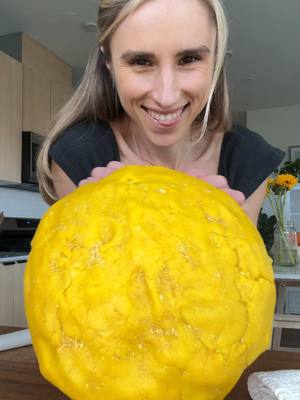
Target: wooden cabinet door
point(12, 295)
point(6, 294)
point(36, 101)
point(19, 318)
point(60, 94)
point(10, 118)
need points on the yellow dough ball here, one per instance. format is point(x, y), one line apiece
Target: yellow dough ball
point(148, 285)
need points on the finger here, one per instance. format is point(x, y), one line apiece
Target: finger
point(82, 182)
point(218, 181)
point(101, 172)
point(115, 164)
point(238, 196)
point(88, 180)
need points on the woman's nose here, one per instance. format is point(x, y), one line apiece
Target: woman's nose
point(165, 91)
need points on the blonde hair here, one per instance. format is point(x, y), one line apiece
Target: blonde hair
point(96, 98)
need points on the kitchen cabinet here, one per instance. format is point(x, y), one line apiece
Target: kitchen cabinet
point(37, 57)
point(10, 118)
point(42, 99)
point(11, 295)
point(47, 85)
point(60, 92)
point(36, 101)
point(47, 81)
point(34, 85)
point(32, 54)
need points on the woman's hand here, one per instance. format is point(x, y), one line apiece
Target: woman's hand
point(219, 182)
point(101, 172)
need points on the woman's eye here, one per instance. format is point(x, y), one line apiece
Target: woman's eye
point(189, 59)
point(142, 62)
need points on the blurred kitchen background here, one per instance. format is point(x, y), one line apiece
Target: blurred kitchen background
point(51, 41)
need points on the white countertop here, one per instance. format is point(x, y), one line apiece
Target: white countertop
point(287, 273)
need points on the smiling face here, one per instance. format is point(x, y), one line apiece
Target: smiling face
point(162, 61)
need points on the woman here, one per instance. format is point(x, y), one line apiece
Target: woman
point(155, 93)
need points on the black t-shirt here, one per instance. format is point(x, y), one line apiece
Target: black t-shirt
point(246, 159)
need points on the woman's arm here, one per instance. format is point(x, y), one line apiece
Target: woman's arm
point(61, 182)
point(253, 203)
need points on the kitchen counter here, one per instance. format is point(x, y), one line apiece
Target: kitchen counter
point(20, 377)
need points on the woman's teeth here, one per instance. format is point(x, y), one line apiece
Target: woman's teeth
point(165, 117)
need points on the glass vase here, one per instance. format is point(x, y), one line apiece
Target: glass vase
point(285, 244)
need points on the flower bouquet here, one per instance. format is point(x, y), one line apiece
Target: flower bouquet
point(285, 237)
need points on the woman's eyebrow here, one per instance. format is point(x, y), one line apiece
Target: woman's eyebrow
point(195, 50)
point(130, 54)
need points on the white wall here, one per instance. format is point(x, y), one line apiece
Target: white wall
point(280, 126)
point(21, 203)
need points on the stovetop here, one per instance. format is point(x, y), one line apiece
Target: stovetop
point(12, 253)
point(10, 257)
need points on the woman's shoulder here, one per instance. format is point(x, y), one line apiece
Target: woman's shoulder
point(83, 131)
point(240, 135)
point(247, 159)
point(84, 135)
point(83, 146)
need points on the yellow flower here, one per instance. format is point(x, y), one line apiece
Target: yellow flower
point(286, 180)
point(270, 183)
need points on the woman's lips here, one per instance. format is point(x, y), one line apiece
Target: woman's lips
point(166, 119)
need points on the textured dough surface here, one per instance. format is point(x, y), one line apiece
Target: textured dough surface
point(148, 285)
